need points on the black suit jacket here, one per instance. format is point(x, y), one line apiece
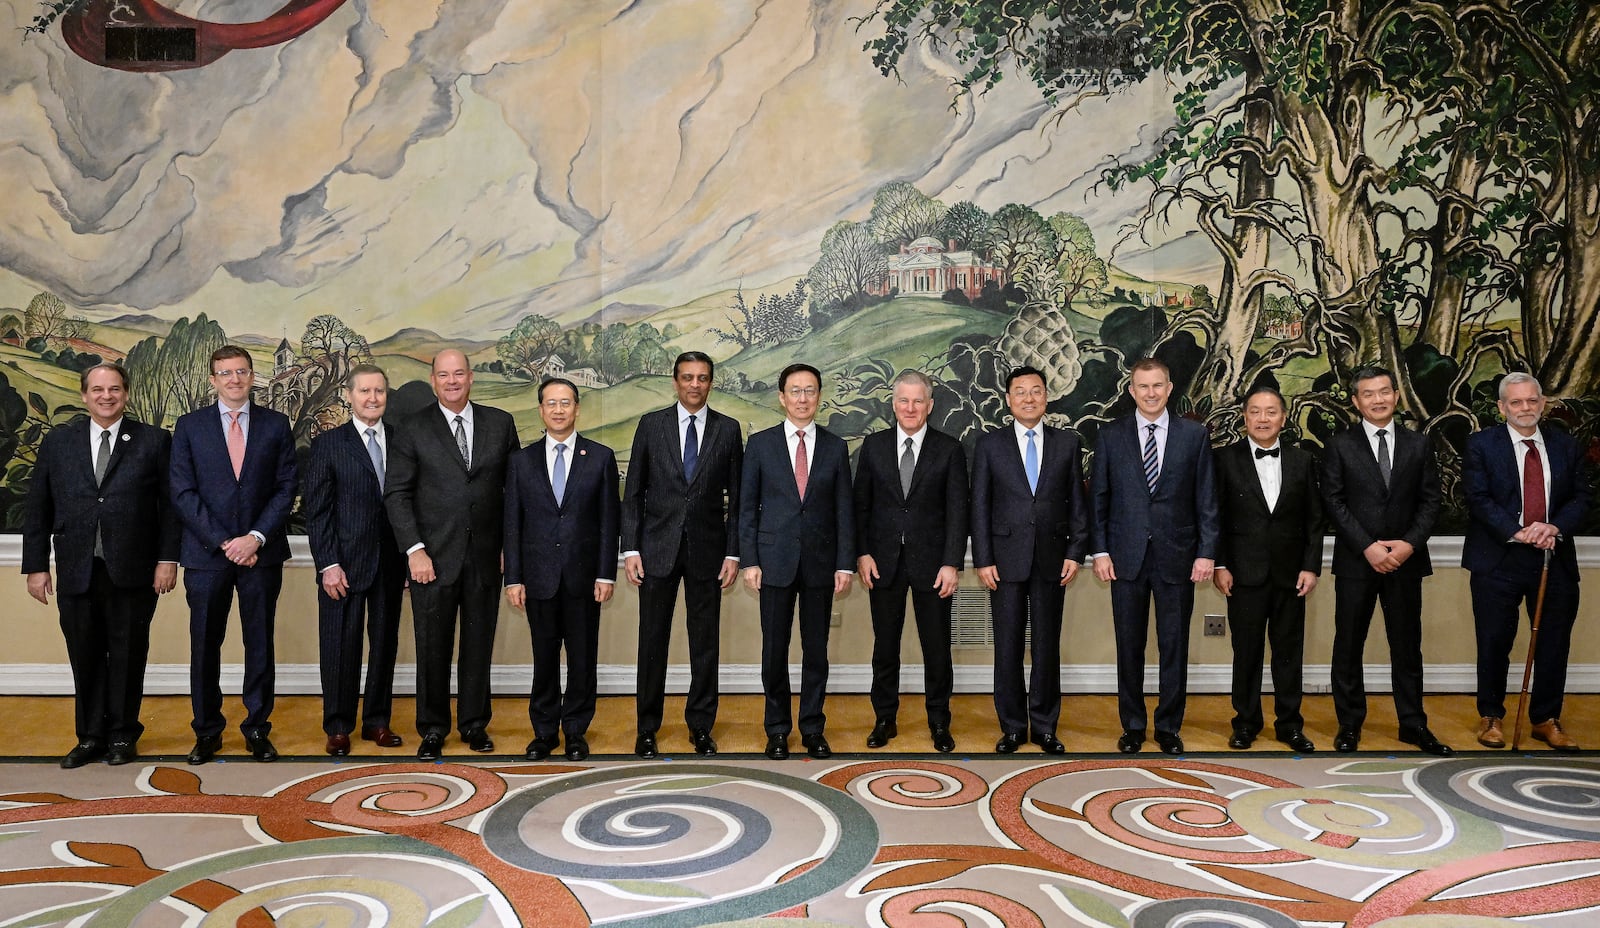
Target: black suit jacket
point(215, 505)
point(1016, 529)
point(1363, 510)
point(1180, 516)
point(132, 510)
point(790, 539)
point(1260, 545)
point(1494, 499)
point(661, 511)
point(930, 521)
point(575, 542)
point(433, 498)
point(345, 519)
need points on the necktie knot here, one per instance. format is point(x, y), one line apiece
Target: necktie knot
point(1382, 432)
point(561, 448)
point(1266, 453)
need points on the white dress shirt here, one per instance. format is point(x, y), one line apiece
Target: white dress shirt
point(1269, 470)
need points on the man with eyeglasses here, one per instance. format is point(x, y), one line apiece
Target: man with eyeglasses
point(1030, 531)
point(680, 509)
point(797, 544)
point(561, 565)
point(445, 498)
point(233, 483)
point(1154, 499)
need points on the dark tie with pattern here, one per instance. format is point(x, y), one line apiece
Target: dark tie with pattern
point(461, 442)
point(691, 450)
point(1533, 504)
point(1383, 456)
point(802, 469)
point(1152, 464)
point(908, 463)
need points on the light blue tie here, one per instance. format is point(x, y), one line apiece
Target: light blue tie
point(376, 453)
point(558, 478)
point(1030, 462)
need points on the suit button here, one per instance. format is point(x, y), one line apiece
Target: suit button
point(101, 500)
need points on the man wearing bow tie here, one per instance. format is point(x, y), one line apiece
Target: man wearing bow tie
point(1381, 490)
point(1526, 494)
point(360, 571)
point(99, 490)
point(1269, 555)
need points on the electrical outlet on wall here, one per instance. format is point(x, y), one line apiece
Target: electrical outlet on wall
point(1216, 626)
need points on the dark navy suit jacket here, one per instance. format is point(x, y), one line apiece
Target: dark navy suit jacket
point(1180, 516)
point(1494, 498)
point(214, 505)
point(575, 542)
point(1018, 530)
point(345, 519)
point(790, 539)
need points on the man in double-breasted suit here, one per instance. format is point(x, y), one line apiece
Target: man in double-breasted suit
point(1155, 536)
point(797, 542)
point(1269, 555)
point(233, 482)
point(680, 523)
point(561, 564)
point(911, 535)
point(99, 490)
point(1526, 494)
point(445, 495)
point(360, 571)
point(1029, 536)
point(1381, 490)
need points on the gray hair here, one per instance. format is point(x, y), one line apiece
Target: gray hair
point(361, 369)
point(1516, 377)
point(916, 377)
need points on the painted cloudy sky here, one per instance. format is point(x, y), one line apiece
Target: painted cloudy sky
point(457, 164)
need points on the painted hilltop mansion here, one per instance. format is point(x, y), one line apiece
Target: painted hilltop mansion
point(930, 266)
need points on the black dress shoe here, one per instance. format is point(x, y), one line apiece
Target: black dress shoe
point(1346, 740)
point(1131, 741)
point(778, 747)
point(85, 752)
point(338, 745)
point(1169, 742)
point(1008, 743)
point(578, 748)
point(261, 748)
point(1241, 740)
point(817, 746)
point(205, 748)
point(704, 744)
point(431, 747)
point(942, 742)
point(478, 739)
point(645, 746)
point(882, 733)
point(122, 752)
point(1298, 742)
point(381, 736)
point(540, 748)
point(1050, 743)
point(1426, 742)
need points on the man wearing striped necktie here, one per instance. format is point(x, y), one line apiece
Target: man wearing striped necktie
point(1155, 536)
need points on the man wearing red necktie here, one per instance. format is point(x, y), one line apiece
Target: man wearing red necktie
point(1525, 492)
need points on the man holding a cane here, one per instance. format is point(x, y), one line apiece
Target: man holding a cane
point(1525, 496)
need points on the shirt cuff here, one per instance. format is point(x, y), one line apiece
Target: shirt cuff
point(732, 557)
point(1099, 554)
point(326, 569)
point(630, 554)
point(415, 548)
point(262, 539)
point(605, 581)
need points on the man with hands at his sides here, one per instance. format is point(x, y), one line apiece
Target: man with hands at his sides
point(680, 523)
point(911, 529)
point(1268, 559)
point(99, 490)
point(797, 541)
point(1029, 535)
point(1155, 537)
point(561, 565)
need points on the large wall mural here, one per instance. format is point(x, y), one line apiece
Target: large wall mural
point(1268, 191)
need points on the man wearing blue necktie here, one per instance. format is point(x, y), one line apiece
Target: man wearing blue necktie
point(1029, 535)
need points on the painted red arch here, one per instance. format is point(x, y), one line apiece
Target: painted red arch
point(84, 30)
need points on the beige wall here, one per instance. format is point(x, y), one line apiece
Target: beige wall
point(33, 637)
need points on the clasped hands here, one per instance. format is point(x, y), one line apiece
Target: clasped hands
point(242, 550)
point(1541, 535)
point(1387, 556)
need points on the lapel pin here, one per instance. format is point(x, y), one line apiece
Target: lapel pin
point(582, 452)
point(125, 437)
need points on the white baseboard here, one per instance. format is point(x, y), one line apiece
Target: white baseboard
point(618, 679)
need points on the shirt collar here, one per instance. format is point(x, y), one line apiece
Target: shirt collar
point(114, 428)
point(916, 437)
point(362, 429)
point(684, 413)
point(1372, 430)
point(1022, 430)
point(571, 441)
point(450, 417)
point(789, 429)
point(1518, 438)
point(224, 411)
point(1162, 421)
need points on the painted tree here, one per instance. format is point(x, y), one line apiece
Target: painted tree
point(185, 362)
point(970, 225)
point(1020, 234)
point(1081, 271)
point(150, 386)
point(48, 317)
point(852, 263)
point(329, 348)
point(530, 344)
point(901, 214)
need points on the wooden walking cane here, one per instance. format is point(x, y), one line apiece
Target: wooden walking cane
point(1533, 640)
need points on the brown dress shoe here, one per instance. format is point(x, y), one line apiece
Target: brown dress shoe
point(381, 736)
point(338, 745)
point(1549, 731)
point(1489, 733)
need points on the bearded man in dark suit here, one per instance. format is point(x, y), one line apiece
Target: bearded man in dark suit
point(99, 490)
point(1269, 555)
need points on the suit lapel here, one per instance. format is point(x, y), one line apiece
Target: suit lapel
point(355, 442)
point(480, 436)
point(670, 439)
point(1246, 464)
point(1013, 455)
point(435, 424)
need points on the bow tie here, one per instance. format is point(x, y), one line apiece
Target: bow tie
point(1266, 453)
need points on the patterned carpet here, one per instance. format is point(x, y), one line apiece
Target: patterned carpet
point(1263, 841)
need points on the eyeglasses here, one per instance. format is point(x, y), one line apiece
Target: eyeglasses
point(559, 404)
point(236, 372)
point(1031, 393)
point(801, 393)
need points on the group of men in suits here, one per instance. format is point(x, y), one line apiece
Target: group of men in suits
point(448, 502)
